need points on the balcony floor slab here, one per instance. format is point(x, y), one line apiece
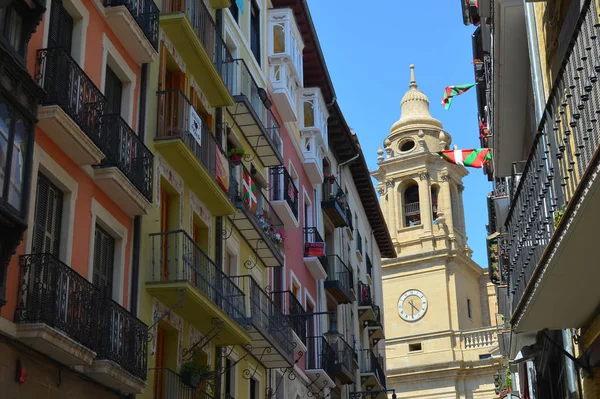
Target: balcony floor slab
point(112, 375)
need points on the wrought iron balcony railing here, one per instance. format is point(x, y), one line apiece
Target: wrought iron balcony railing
point(206, 30)
point(125, 150)
point(68, 86)
point(339, 277)
point(564, 148)
point(168, 384)
point(250, 197)
point(369, 267)
point(283, 188)
point(145, 13)
point(345, 355)
point(245, 89)
point(290, 306)
point(176, 117)
point(369, 363)
point(265, 316)
point(55, 294)
point(122, 338)
point(314, 245)
point(320, 356)
point(334, 203)
point(176, 257)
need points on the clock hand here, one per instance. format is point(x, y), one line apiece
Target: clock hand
point(413, 307)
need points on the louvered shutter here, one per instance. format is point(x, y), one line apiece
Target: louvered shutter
point(61, 27)
point(104, 258)
point(48, 217)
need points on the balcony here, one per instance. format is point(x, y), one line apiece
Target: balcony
point(64, 316)
point(289, 305)
point(366, 305)
point(345, 360)
point(191, 29)
point(256, 220)
point(285, 60)
point(269, 329)
point(168, 384)
point(284, 196)
point(56, 313)
point(339, 282)
point(372, 376)
point(478, 341)
point(320, 363)
point(252, 113)
point(553, 218)
point(334, 203)
point(122, 349)
point(72, 107)
point(136, 25)
point(180, 266)
point(188, 144)
point(375, 327)
point(126, 174)
point(314, 253)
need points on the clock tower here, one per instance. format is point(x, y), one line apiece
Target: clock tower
point(439, 305)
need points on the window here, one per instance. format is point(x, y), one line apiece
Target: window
point(407, 145)
point(415, 347)
point(229, 379)
point(469, 310)
point(11, 29)
point(255, 31)
point(485, 356)
point(412, 213)
point(113, 90)
point(13, 148)
point(48, 217)
point(234, 9)
point(104, 258)
point(434, 200)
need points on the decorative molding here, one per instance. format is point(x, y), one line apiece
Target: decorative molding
point(165, 170)
point(160, 310)
point(445, 177)
point(198, 208)
point(196, 336)
point(460, 188)
point(171, 49)
point(424, 175)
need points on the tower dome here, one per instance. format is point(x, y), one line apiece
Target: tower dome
point(414, 113)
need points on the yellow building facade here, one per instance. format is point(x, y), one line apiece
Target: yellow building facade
point(439, 304)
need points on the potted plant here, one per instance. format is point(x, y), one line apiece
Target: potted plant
point(236, 155)
point(329, 178)
point(196, 375)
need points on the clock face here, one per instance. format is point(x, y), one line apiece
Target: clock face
point(412, 305)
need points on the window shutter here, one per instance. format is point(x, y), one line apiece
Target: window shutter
point(104, 257)
point(48, 217)
point(61, 27)
point(113, 90)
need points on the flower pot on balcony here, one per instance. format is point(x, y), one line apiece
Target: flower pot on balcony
point(236, 155)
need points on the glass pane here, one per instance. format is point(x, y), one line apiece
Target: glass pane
point(309, 114)
point(278, 39)
point(17, 173)
point(4, 133)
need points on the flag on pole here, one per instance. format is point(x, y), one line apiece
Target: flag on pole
point(452, 91)
point(249, 194)
point(474, 158)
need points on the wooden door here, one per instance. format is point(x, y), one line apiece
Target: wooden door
point(164, 228)
point(159, 379)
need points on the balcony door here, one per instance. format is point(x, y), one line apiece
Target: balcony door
point(164, 228)
point(172, 107)
point(159, 379)
point(104, 262)
point(60, 33)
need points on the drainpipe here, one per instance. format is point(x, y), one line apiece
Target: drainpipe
point(137, 221)
point(537, 79)
point(339, 168)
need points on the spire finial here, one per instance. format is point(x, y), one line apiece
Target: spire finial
point(413, 80)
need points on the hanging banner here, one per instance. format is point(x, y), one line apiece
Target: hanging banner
point(196, 126)
point(222, 169)
point(240, 5)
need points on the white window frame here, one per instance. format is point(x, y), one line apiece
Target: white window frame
point(296, 281)
point(103, 218)
point(232, 245)
point(306, 199)
point(112, 58)
point(81, 20)
point(44, 163)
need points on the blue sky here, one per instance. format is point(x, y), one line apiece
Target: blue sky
point(368, 50)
